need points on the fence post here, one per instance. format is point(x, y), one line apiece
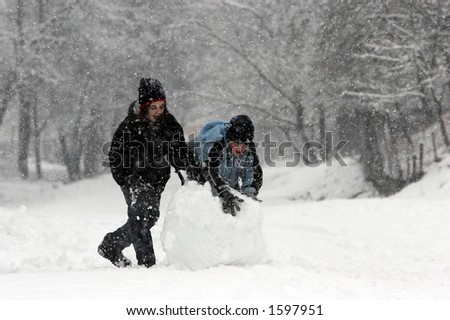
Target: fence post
point(414, 168)
point(408, 169)
point(433, 137)
point(420, 160)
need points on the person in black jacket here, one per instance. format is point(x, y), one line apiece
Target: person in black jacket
point(144, 147)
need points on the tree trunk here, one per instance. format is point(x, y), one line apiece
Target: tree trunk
point(442, 124)
point(8, 92)
point(394, 131)
point(37, 141)
point(3, 108)
point(93, 145)
point(300, 119)
point(37, 130)
point(322, 134)
point(371, 157)
point(72, 153)
point(24, 133)
point(421, 77)
point(24, 97)
point(71, 160)
point(65, 155)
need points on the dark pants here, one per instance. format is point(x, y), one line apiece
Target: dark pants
point(143, 212)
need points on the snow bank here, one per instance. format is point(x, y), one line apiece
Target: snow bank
point(316, 183)
point(198, 235)
point(435, 183)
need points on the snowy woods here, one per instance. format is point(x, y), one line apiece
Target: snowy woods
point(350, 104)
point(375, 73)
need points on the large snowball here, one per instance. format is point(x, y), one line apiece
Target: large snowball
point(197, 234)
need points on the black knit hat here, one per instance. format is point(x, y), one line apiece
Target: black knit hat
point(241, 130)
point(150, 89)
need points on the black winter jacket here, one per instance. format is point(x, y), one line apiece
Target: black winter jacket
point(142, 151)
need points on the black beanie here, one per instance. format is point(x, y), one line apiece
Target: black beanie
point(150, 89)
point(241, 130)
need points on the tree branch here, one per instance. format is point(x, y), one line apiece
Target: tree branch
point(249, 61)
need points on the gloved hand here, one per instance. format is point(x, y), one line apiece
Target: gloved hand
point(194, 172)
point(230, 203)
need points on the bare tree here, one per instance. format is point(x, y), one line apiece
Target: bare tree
point(263, 48)
point(24, 92)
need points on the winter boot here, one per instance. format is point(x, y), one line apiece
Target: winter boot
point(116, 258)
point(149, 263)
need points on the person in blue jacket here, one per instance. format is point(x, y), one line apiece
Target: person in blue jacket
point(225, 156)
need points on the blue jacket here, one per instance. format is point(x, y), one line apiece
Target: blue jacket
point(232, 169)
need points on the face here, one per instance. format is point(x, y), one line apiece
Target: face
point(155, 110)
point(237, 148)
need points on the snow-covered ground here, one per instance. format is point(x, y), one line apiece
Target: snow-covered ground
point(337, 248)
